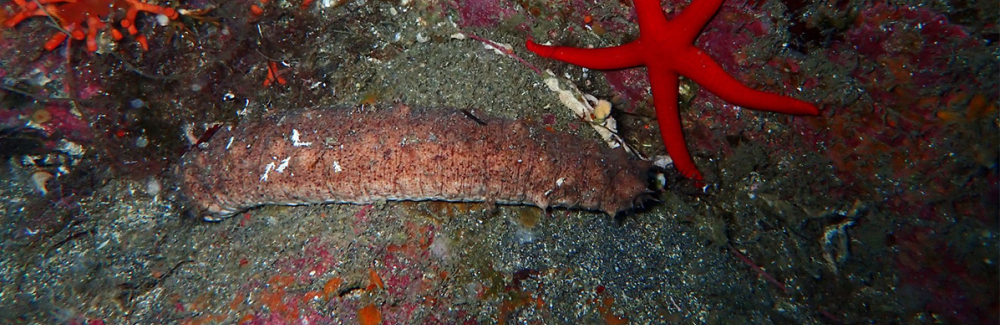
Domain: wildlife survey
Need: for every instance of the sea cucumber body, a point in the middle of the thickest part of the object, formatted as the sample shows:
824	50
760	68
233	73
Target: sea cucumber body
346	156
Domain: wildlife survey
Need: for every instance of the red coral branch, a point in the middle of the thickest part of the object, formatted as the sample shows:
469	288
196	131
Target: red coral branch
84	19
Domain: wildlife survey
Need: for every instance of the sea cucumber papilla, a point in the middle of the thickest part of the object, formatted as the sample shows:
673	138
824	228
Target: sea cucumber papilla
353	156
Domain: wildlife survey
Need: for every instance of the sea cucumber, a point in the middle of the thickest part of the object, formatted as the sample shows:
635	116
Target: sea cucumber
403	153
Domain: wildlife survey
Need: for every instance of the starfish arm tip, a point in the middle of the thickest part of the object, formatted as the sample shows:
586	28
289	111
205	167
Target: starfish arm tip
690	172
803	108
813	110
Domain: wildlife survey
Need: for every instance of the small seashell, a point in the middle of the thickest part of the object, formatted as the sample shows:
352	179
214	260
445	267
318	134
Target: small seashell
41	116
39	178
602	110
153	186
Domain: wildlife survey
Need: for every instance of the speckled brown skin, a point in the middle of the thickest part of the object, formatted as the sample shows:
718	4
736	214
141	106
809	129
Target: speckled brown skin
346	156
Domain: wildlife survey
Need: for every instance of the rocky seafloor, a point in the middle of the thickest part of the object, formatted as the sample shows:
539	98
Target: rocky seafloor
883	209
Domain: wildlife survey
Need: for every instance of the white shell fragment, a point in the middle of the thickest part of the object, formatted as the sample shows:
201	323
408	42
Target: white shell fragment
39	178
598	113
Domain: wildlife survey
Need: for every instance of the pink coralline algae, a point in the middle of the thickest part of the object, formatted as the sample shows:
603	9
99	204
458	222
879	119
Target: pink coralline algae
919	137
902	59
483	13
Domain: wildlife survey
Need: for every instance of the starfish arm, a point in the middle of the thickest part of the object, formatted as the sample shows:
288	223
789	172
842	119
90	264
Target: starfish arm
704	71
664	88
689	23
608	58
650	15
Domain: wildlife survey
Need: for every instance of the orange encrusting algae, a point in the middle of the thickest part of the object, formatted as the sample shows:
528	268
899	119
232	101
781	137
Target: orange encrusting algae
331	286
977	107
256	10
375	282
83	19
369	315
273	75
604	302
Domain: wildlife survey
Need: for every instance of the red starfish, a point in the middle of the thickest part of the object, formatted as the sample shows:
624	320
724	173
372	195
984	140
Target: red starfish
666	48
